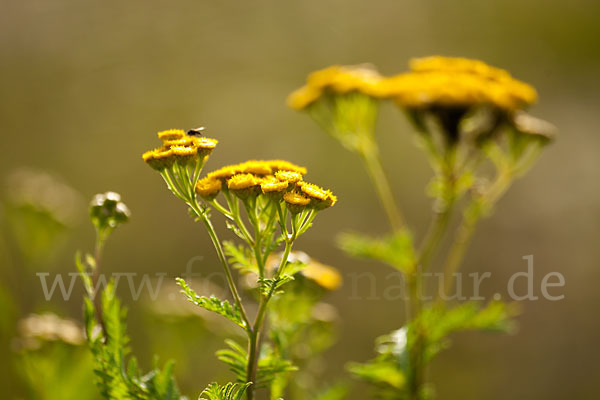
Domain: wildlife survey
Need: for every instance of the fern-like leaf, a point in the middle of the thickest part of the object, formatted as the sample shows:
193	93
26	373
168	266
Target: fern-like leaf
214	304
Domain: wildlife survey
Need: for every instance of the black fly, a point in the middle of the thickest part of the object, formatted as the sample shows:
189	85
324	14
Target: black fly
196	132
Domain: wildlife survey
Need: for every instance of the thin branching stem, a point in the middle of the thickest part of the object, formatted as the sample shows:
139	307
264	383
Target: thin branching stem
372	162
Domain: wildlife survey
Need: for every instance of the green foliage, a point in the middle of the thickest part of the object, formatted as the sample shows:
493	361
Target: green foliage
382	373
221	307
236	357
57	370
229	391
269	287
395	250
389	371
269	364
117	378
337	391
240	257
438	322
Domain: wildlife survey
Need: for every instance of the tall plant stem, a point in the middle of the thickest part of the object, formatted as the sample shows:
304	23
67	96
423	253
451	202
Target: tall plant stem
370	157
254	335
477	208
417	366
431	242
221	255
100	240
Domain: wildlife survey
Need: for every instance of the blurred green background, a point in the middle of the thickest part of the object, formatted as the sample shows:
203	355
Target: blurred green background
86	84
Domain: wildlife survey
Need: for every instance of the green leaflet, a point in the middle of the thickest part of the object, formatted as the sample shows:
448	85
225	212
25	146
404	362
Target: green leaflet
395	250
240	257
229	391
269	364
221	307
269	287
438	322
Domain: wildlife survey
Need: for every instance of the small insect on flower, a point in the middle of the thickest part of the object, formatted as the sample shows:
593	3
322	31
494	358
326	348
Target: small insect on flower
196	132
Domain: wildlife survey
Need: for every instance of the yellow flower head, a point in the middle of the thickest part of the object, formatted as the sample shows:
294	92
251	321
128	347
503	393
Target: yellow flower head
457	83
244	185
159	159
282	165
257	167
171	134
208	188
186	141
243	181
337	79
320	198
296	202
205	146
178	146
273	186
288	176
184	155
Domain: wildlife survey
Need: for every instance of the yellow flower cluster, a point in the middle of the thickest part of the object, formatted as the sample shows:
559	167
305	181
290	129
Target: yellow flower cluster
178	147
277	179
457	82
433	81
337	79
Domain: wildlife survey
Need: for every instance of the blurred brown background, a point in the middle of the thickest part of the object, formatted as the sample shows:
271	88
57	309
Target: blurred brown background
86	84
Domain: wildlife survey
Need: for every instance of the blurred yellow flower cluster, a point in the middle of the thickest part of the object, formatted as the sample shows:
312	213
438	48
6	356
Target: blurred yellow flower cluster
324	275
337	79
457	82
178	147
277	179
432	81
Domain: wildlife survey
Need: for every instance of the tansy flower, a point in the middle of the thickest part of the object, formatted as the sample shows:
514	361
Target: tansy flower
208	188
159	159
184	155
336	79
182	142
288	176
178	146
282	165
256	167
205	146
242	181
244	185
295	202
171	134
273	186
320	197
457	83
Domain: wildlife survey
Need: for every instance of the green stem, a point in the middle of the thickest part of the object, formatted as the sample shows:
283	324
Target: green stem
101	236
254	336
221	255
475	210
416	376
372	162
431	242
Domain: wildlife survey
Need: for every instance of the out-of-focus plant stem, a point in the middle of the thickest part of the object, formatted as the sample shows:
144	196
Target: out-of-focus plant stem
477	208
372	162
